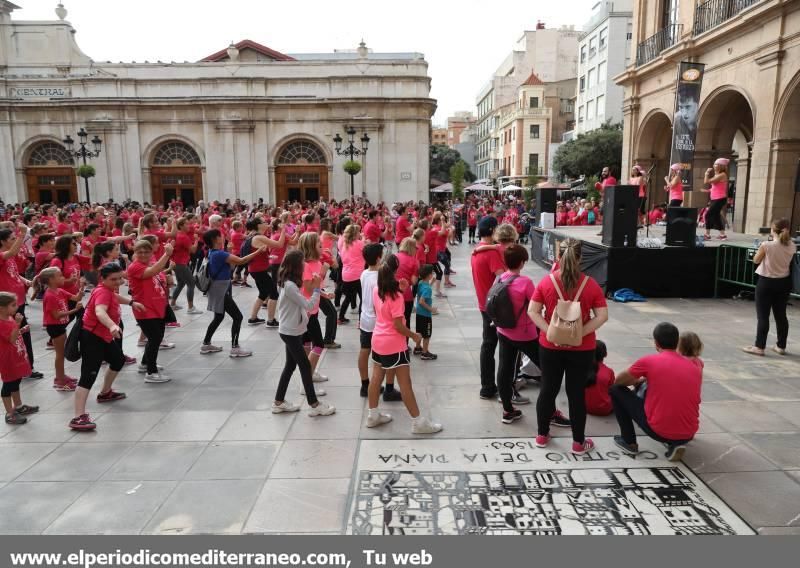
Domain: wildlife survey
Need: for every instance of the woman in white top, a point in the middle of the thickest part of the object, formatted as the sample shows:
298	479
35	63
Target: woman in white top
774	260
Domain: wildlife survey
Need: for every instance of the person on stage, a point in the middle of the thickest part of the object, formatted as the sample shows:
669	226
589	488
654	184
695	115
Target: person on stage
638	178
607	179
674	185
717	178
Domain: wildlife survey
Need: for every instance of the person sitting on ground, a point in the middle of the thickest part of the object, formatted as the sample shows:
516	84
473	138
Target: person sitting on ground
690	346
600	380
670	413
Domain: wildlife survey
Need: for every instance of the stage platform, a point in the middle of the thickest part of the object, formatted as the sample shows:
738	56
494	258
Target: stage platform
669	272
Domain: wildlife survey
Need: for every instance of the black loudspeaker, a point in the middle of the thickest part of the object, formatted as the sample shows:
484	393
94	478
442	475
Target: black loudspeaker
546	198
681	226
620	215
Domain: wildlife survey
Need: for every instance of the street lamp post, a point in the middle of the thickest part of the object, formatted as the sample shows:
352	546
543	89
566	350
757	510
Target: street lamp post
352	152
82	152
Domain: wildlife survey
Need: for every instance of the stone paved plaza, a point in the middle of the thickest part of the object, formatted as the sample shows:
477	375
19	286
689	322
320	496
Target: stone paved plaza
204	454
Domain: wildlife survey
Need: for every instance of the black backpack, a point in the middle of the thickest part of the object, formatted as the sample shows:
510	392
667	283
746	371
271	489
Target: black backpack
499	306
247	246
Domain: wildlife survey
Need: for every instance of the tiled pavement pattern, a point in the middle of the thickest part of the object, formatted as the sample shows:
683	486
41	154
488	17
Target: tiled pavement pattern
203	454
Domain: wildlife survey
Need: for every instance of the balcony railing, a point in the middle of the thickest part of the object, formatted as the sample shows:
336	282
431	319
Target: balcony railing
652	47
534	171
711	14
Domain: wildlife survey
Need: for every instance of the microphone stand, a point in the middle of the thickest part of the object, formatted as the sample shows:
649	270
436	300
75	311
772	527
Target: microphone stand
647	200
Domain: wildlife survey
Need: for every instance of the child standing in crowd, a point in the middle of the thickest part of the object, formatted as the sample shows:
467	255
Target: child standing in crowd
390	350
293	310
14	363
57	314
690	346
366	324
314	343
601	377
425	311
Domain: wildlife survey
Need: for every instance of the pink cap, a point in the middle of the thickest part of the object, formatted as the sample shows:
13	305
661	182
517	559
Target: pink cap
638	168
721	162
676	167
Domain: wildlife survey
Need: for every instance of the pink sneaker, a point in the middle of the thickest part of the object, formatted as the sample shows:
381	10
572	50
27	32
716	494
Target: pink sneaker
542	441
65	384
173	324
579	449
130	360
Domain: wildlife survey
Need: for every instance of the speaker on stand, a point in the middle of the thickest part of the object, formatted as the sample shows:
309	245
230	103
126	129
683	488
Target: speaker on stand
620	215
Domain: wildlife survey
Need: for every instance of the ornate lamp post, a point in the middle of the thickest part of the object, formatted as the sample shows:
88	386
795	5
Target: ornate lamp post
83	153
352	152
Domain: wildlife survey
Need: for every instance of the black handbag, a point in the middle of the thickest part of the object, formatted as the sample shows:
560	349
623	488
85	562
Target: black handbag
72	348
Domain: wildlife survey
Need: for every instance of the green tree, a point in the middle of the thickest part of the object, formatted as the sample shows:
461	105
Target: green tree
443	158
589	153
457	172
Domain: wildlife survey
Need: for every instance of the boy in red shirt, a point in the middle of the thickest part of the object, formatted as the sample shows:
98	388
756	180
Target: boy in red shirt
56	314
670	413
14	364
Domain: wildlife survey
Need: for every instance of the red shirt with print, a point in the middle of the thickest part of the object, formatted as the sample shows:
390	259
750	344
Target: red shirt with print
101	296
150	292
14	362
54	301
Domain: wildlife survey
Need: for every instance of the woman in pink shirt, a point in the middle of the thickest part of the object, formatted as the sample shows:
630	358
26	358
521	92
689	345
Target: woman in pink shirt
350	252
523	336
717	178
674	185
390	350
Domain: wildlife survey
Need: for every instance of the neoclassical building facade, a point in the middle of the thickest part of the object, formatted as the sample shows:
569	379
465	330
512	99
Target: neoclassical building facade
749	105
245	122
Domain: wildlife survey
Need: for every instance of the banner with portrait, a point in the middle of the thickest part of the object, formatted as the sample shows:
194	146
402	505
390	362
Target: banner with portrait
684	121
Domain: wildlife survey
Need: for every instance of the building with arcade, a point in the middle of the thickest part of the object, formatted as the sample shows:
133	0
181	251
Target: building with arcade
245	122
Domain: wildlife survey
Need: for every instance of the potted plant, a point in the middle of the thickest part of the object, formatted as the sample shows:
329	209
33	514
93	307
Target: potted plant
86	171
352	167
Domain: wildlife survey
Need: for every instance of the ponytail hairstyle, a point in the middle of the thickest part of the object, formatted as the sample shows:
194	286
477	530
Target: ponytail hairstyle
570	261
781	228
350	234
387	283
100	251
291	269
63	247
308	244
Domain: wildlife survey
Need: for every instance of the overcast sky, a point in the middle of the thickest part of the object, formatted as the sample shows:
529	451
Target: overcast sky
463	40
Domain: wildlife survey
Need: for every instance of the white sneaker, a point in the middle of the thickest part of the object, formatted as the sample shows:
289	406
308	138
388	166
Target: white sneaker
354	311
425	426
318	392
317	378
239	352
322	409
379	419
156	378
285	406
194	311
206	349
143	368
166	345
176	307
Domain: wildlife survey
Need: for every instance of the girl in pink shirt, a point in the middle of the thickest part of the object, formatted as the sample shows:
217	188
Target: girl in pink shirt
390	350
717	179
351	249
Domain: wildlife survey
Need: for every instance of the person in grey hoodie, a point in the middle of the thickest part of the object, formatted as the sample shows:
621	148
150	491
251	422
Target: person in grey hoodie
293	310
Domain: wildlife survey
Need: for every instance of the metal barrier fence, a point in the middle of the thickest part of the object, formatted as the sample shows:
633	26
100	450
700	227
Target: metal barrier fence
735	266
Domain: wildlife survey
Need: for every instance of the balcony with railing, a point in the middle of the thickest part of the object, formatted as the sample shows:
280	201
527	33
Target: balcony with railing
527	112
662	40
713	13
534	171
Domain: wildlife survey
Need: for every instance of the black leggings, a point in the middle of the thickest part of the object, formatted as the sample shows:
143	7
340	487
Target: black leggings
472	233
351	291
264	283
232	310
26	337
94	350
327	308
438	270
676	202
555	365
507	367
313	334
444	258
714	215
10	388
295	357
772	295
273	273
153	330
409	307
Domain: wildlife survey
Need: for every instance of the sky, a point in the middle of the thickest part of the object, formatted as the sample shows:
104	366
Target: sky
464	41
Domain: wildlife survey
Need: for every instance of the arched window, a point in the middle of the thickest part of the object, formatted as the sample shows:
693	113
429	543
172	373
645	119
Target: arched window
50	154
176	154
301	152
